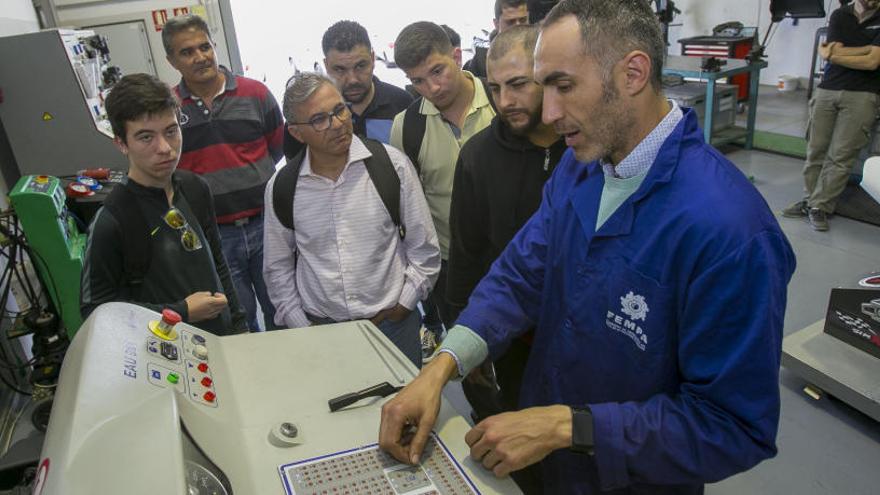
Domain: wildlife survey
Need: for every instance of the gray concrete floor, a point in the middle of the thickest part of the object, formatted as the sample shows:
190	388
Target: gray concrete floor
778	112
825	447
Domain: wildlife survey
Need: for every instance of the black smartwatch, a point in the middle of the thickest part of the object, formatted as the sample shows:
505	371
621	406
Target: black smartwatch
581	430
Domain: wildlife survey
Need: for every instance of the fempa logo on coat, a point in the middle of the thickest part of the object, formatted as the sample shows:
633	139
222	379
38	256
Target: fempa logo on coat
635	308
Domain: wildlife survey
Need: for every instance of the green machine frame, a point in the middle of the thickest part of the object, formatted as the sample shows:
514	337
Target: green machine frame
55	240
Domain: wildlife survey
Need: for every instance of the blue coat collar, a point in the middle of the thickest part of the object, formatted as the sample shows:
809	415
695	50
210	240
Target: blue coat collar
586	195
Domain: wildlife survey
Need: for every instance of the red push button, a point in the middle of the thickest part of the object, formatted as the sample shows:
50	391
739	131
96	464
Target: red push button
171	317
203	367
207	382
209	396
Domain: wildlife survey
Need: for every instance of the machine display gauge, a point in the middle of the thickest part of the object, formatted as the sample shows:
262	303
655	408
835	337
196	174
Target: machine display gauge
200	481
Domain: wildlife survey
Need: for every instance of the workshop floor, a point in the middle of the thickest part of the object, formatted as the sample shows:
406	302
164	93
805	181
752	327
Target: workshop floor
780	113
825	447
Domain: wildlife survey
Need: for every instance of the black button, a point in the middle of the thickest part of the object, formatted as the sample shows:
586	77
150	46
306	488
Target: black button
169	351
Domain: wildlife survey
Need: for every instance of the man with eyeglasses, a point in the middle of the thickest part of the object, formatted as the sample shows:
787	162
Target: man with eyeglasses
343	258
232	130
349	60
155	242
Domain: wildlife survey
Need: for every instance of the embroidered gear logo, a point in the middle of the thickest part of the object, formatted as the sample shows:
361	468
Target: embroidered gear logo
634	306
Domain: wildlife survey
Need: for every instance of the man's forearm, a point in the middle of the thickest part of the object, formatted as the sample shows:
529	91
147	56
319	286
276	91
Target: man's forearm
850	51
857	62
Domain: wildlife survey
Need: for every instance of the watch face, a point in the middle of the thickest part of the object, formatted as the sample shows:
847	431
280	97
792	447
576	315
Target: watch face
581	430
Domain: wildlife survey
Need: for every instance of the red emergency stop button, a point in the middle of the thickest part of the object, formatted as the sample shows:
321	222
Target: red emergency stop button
203	367
171	317
209	396
207	382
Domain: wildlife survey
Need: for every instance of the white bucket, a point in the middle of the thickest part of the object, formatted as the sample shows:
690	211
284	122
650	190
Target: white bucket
787	83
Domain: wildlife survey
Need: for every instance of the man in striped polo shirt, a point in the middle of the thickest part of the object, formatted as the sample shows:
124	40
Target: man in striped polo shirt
232	135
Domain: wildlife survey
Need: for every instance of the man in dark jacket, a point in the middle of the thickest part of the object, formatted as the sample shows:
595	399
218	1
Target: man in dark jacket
498	182
508	14
169	211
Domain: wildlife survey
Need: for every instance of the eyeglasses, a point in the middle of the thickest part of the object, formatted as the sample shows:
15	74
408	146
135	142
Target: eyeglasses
188	238
322	121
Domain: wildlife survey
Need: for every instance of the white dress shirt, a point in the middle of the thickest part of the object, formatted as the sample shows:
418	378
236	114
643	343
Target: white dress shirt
344	259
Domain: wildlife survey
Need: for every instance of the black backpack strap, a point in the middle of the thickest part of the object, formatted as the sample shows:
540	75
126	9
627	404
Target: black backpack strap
198	195
385	180
379	167
414	123
125	208
284	188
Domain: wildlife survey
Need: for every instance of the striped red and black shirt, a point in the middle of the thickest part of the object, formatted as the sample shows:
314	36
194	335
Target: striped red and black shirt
234	145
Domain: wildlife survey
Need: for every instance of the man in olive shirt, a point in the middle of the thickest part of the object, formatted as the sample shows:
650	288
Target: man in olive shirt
454	106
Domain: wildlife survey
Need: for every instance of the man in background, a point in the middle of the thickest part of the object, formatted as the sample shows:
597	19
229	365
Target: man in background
377	270
508	13
232	130
843	110
349	61
499	178
454	105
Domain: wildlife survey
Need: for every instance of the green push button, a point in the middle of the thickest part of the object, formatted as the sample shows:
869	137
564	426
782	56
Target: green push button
173	378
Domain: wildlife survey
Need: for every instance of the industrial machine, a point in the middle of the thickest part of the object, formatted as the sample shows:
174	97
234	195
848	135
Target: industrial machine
148	405
53	111
56	243
840	355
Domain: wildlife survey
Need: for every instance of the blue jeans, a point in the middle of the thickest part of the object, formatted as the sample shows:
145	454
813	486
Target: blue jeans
404	334
243	248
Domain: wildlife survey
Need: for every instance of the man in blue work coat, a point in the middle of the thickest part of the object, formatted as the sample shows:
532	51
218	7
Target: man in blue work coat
654	273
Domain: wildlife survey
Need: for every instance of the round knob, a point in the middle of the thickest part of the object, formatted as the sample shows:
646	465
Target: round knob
289	430
201	352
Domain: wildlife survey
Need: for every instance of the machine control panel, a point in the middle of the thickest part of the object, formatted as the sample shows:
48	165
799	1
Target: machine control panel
180	363
370	470
274	432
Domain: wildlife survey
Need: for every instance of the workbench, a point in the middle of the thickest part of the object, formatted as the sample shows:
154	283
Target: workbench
690	68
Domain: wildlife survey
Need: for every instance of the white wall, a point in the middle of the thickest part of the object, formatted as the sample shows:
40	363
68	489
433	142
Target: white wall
275	35
80	13
272	33
17	17
789	50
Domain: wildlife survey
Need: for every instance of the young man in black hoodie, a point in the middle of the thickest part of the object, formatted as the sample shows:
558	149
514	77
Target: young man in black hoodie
155	241
497	187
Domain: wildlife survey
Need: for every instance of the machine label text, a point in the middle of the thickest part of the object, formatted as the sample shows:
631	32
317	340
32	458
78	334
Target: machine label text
129	360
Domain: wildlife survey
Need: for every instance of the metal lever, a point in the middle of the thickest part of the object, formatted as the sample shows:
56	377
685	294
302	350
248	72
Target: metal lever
383	389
